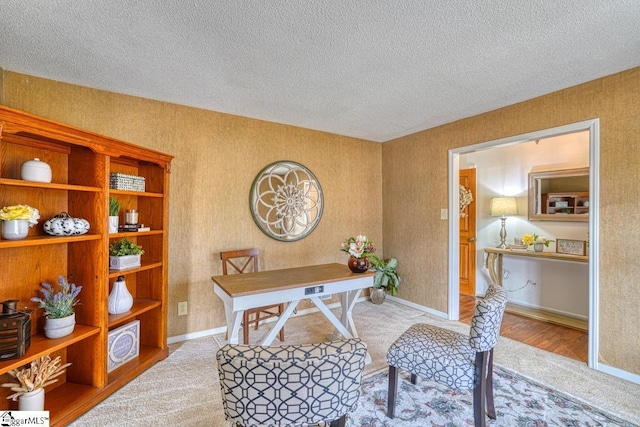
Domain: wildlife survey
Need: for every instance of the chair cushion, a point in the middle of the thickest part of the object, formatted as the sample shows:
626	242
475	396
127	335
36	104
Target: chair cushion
435	353
290	385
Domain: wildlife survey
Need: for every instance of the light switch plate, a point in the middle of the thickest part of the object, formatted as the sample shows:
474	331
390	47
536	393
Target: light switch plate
444	213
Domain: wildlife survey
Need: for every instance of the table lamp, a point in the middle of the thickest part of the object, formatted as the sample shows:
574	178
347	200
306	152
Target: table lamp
503	206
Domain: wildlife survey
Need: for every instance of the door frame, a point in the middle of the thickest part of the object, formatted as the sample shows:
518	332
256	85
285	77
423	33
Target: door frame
593	126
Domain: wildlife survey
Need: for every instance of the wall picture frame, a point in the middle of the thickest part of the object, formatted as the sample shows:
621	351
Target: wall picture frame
571	247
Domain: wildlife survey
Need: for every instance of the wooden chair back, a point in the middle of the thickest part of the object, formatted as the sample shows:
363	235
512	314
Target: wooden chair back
240	261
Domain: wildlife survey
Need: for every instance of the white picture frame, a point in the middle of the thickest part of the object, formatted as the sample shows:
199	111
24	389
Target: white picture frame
124	345
571	247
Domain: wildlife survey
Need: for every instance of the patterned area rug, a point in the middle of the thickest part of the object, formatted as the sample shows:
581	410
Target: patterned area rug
519	402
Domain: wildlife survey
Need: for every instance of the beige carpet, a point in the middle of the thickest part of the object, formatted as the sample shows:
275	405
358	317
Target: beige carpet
183	389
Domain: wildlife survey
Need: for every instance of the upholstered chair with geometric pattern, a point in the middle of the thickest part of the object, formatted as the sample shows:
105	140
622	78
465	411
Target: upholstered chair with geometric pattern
291	385
453	359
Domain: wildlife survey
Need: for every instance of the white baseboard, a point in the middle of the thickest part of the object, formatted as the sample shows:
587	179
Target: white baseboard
617	372
222	329
552	310
418	307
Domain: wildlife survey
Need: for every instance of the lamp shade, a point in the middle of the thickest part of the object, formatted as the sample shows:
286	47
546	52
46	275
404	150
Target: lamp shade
503	206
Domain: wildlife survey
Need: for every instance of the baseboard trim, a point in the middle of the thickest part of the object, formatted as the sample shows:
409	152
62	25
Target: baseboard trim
617	372
548	316
418	306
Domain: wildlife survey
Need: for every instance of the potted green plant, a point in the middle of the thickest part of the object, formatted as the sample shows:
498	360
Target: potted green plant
386	279
114	211
31	381
124	254
58	307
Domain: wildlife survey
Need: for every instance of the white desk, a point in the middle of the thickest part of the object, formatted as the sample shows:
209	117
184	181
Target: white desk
243	291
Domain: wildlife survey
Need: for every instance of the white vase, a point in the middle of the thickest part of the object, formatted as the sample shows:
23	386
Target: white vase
538	247
31	400
120	300
58	328
113	224
16	229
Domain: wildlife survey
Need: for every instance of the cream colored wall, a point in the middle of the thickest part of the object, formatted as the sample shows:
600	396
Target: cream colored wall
415	189
217	156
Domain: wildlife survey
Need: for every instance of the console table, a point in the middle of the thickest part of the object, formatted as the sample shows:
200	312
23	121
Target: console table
495	267
494	259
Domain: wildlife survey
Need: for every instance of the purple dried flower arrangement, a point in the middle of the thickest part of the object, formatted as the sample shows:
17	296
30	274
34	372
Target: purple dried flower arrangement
59	304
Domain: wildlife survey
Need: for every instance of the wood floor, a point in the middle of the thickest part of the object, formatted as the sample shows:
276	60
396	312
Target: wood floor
546	336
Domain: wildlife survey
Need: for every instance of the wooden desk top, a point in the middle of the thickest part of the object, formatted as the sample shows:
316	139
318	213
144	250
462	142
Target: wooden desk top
547	255
236	285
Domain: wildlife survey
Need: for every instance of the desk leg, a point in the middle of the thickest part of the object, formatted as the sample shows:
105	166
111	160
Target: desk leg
234	319
280	323
348	301
332	318
494	265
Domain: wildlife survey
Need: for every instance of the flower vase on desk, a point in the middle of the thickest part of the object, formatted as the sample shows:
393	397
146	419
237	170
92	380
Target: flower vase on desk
120	300
358	265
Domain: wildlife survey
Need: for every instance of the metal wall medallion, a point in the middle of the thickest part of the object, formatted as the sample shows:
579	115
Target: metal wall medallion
286	201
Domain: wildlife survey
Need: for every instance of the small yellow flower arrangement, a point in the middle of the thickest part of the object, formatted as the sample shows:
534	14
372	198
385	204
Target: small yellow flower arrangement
532	238
20	212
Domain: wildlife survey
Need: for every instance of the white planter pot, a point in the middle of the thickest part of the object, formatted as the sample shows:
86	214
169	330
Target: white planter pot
124	262
31	401
58	328
113	224
16	229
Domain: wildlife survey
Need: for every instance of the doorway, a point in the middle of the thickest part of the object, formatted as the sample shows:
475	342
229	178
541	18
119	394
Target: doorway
592	126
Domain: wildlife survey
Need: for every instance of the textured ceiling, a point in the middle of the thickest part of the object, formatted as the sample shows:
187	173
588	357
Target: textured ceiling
370	69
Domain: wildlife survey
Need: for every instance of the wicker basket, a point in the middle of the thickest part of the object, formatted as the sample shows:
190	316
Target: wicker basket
123	181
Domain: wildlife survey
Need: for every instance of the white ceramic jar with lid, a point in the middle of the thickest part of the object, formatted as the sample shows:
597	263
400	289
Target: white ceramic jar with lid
36	170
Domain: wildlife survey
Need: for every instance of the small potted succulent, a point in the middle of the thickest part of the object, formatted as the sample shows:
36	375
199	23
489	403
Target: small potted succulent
58	307
124	254
31	381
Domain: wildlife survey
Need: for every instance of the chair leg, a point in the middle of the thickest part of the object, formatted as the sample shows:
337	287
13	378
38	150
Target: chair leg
245	327
491	410
340	422
414	379
281	333
391	394
480	389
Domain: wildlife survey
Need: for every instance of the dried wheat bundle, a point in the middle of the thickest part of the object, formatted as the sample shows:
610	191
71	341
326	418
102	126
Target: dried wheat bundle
40	373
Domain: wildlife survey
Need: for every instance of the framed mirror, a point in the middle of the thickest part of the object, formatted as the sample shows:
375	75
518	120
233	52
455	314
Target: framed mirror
286	201
560	195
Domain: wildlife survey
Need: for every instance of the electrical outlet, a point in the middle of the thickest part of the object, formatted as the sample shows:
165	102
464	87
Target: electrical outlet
182	308
532	283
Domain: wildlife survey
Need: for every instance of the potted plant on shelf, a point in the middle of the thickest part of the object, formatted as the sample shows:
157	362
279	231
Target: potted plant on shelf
114	211
536	241
386	280
58	307
29	390
359	249
124	254
16	221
